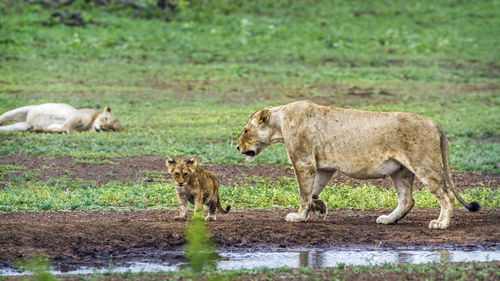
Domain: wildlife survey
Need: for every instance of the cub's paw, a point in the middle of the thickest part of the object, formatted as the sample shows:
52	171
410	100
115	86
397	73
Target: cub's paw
210	218
436	224
319	208
294	217
180	218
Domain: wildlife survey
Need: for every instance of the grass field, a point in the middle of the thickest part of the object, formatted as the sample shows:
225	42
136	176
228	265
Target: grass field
186	87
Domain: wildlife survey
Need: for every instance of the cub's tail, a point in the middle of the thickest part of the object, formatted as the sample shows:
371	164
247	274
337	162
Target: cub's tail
445	154
219	207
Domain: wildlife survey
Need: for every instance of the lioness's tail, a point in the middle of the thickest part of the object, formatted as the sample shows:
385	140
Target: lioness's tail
445	153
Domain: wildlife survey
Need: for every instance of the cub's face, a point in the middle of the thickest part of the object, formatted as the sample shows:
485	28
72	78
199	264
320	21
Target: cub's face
255	135
181	171
107	122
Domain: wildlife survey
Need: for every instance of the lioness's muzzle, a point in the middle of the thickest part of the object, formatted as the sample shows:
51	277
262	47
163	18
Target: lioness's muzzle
249	153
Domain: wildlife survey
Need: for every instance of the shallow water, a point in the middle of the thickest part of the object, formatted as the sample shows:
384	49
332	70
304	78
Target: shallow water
294	259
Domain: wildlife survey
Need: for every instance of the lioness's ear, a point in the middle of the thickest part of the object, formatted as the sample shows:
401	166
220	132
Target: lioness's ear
170	164
191	163
107	109
263	116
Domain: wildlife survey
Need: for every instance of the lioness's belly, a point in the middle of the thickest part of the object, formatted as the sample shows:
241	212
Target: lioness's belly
50	113
366	169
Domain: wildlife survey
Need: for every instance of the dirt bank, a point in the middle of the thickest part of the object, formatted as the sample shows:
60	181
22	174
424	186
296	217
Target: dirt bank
94	237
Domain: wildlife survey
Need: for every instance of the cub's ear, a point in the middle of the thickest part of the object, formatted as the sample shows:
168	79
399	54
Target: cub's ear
191	163
170	164
263	116
107	109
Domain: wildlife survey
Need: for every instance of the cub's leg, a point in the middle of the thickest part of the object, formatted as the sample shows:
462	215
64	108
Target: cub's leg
18	114
181	199
403	182
19	126
305	174
212	207
198	203
317	205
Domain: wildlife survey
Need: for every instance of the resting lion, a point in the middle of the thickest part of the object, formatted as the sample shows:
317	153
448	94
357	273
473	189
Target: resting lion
361	144
58	118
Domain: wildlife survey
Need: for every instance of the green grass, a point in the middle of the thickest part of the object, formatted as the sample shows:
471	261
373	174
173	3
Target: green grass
431	271
67	194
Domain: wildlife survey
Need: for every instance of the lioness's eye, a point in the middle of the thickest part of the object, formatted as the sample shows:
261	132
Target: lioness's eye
245	132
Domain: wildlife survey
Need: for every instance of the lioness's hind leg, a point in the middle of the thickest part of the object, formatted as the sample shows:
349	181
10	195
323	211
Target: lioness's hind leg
19	126
18	114
434	182
403	182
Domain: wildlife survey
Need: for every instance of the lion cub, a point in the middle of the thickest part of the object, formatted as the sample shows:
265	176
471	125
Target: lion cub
196	185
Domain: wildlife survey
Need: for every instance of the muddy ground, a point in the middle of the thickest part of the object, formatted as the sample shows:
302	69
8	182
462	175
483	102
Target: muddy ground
92	238
152	168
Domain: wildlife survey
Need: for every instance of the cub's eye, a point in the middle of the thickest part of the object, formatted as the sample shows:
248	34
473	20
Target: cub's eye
177	174
105	118
245	132
185	174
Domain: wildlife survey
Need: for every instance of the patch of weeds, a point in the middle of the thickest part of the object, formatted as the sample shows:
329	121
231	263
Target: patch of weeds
155	176
94	161
199	249
5	170
39	266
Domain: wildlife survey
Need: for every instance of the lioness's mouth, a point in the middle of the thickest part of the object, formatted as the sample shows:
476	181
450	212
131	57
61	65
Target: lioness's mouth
249	153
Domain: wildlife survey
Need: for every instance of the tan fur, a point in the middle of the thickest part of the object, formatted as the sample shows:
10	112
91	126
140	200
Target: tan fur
196	185
58	118
361	144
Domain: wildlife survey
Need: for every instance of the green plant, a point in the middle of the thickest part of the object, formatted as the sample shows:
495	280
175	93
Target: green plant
39	266
199	248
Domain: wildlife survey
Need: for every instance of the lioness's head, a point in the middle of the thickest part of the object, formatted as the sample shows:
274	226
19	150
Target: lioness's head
106	122
256	134
181	170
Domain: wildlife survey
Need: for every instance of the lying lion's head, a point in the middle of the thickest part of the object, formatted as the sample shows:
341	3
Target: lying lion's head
181	171
256	134
106	122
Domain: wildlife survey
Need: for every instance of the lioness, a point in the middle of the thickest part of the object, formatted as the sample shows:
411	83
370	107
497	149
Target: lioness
196	185
361	144
58	118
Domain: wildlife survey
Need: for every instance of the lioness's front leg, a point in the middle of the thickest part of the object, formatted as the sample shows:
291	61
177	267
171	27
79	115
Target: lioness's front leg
68	126
305	174
181	199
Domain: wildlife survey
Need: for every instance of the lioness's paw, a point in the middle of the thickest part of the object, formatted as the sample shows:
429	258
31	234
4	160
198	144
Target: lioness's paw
294	217
435	224
385	220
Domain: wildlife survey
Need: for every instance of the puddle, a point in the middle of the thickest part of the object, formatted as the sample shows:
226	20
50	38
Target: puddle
294	259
